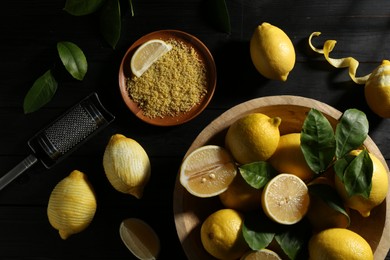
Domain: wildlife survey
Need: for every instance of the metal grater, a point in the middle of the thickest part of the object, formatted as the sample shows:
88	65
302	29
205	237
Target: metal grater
56	141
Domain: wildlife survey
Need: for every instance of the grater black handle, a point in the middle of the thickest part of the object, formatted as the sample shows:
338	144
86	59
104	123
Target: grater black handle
17	170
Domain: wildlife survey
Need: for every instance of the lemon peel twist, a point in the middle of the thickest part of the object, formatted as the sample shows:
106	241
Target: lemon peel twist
349	62
376	84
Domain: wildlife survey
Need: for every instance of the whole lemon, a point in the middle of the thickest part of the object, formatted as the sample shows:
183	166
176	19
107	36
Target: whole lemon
288	157
72	204
241	196
272	52
126	165
221	234
339	243
380	185
253	137
377	90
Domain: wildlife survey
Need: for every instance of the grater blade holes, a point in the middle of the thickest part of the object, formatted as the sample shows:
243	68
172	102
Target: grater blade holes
71	129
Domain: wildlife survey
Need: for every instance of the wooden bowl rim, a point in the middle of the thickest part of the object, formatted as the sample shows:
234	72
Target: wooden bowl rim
204	54
184	221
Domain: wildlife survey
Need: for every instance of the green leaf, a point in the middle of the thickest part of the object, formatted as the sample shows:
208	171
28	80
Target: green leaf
317	141
40	93
82	7
258	230
110	22
73	59
358	175
219	15
257	174
351	131
294	239
341	164
330	196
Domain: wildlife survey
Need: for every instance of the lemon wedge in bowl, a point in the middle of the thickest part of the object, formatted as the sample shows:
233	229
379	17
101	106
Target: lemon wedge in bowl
207	171
147	54
285	199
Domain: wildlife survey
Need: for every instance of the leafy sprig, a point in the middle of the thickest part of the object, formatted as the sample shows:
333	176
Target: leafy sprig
44	88
324	148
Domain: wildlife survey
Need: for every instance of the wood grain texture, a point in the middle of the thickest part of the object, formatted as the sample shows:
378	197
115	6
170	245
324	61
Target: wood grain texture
29	33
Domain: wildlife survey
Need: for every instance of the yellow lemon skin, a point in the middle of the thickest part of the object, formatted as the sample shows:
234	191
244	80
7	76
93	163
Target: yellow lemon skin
241	196
288	157
377	90
340	244
126	165
253	137
272	52
72	204
380	185
221	234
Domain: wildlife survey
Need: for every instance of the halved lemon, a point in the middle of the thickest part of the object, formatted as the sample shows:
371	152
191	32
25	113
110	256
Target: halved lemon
140	238
147	54
285	199
263	254
207	171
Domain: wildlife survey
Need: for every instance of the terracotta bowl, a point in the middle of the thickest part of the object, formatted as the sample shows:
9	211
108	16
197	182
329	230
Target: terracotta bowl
205	56
190	211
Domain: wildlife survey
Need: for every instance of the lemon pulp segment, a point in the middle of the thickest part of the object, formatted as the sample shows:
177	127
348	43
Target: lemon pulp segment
146	55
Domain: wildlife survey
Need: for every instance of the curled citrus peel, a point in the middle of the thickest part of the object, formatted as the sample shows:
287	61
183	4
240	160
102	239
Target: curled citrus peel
349	62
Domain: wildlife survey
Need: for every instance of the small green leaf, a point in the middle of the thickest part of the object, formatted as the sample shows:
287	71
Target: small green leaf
330	196
351	131
257	174
258	230
110	22
294	238
40	93
82	7
219	15
73	59
358	175
317	141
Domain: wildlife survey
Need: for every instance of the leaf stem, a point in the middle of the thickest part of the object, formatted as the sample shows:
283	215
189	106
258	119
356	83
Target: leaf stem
131	8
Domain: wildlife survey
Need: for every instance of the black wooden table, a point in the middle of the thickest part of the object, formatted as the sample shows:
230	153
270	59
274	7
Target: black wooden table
29	32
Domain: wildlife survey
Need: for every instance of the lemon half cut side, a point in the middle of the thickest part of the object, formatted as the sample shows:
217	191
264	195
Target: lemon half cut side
147	54
263	254
207	171
285	199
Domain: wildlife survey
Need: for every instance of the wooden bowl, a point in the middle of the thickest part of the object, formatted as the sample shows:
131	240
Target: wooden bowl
191	211
204	55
